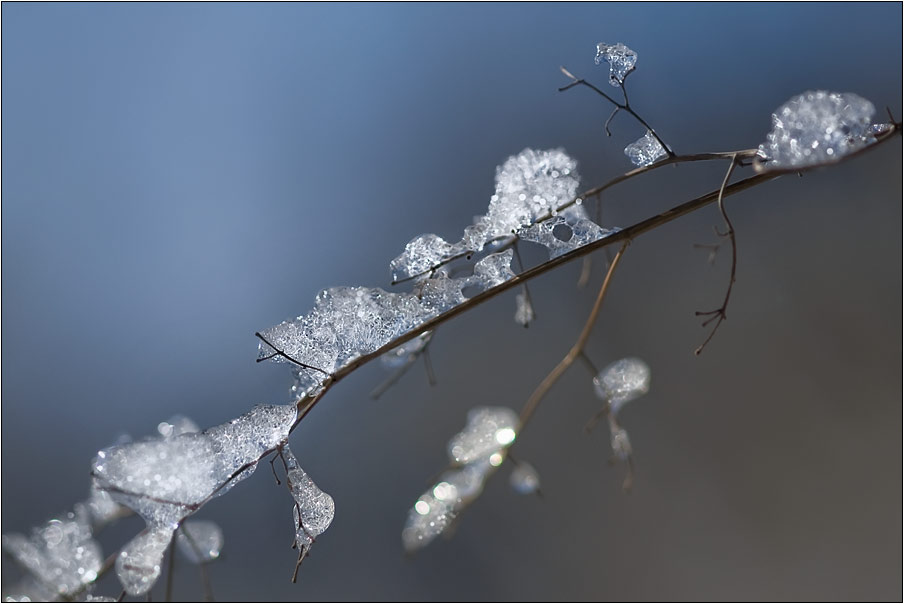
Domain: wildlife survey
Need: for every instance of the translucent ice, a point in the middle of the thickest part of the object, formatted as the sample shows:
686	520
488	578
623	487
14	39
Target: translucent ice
421	254
621	61
564	232
489	430
645	151
164	480
176	425
61	554
200	540
622	381
524	479
314	509
817	127
139	563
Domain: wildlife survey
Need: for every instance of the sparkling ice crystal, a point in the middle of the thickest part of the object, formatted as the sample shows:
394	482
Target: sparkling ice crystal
621	61
645	151
817	127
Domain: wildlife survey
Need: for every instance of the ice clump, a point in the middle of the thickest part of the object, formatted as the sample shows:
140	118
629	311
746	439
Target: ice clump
621	61
314	510
166	479
645	151
421	254
61	556
489	429
529	186
622	381
816	127
200	540
475	451
178	424
139	563
578	229
524	479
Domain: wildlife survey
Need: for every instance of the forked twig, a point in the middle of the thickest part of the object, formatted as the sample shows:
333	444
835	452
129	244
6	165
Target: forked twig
718	315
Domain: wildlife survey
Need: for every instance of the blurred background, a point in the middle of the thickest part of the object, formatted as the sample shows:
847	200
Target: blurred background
178	176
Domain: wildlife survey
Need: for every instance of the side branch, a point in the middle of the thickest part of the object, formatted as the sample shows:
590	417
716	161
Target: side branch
576	351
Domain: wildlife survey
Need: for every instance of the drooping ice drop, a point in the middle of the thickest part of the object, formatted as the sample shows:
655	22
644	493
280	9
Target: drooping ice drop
622	381
621	61
314	510
816	127
645	151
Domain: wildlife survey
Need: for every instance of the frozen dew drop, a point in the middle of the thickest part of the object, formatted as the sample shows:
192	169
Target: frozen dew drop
199	540
427	519
645	151
816	127
622	381
524	479
621	61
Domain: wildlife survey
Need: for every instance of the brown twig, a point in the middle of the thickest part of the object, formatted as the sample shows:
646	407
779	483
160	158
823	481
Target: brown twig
719	315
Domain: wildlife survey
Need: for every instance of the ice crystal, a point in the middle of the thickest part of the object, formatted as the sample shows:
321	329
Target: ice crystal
817	127
61	555
622	381
421	254
621	61
529	186
565	232
645	151
165	479
524	479
200	540
176	425
489	429
524	310
139	563
314	509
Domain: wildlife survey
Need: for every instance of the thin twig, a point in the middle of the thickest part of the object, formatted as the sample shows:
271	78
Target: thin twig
279	353
170	571
576	351
718	315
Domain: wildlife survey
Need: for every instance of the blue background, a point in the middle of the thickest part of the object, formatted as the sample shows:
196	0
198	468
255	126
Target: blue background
178	176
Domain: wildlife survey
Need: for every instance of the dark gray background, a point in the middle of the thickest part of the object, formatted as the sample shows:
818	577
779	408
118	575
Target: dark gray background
178	176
